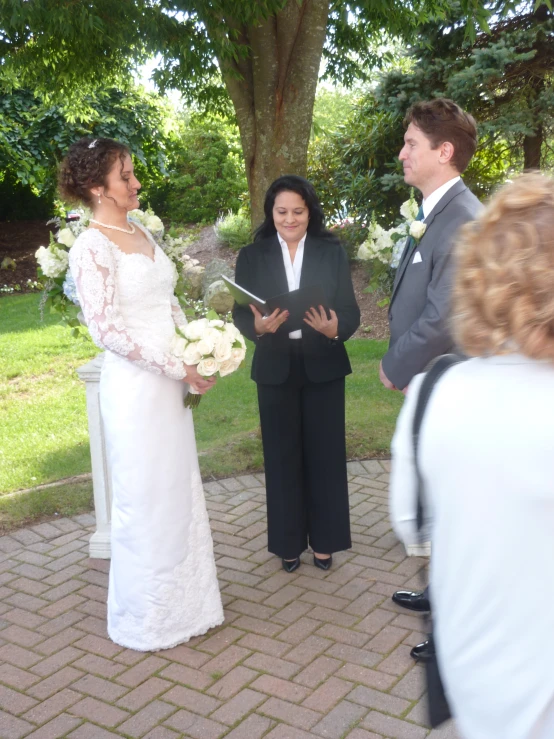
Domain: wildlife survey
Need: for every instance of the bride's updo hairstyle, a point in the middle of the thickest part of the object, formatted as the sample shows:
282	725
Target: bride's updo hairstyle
86	165
503	299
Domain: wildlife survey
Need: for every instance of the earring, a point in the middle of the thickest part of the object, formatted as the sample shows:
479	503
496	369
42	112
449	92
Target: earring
99	201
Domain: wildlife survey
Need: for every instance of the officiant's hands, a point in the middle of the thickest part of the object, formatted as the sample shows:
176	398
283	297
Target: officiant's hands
318	320
197	382
268	324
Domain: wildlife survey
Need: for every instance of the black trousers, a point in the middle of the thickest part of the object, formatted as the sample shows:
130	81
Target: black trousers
303	435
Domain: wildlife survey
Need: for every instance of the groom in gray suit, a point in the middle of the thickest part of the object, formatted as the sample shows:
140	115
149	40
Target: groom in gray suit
439	142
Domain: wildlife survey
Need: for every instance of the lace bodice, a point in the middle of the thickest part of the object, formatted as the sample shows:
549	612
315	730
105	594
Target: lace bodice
128	301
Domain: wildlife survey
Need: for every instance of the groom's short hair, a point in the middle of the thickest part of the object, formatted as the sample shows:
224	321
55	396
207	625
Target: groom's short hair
443	120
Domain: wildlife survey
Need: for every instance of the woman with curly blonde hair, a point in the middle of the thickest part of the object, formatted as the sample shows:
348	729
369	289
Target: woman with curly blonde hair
486	456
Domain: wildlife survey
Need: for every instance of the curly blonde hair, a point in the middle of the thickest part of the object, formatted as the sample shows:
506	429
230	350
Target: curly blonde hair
503	299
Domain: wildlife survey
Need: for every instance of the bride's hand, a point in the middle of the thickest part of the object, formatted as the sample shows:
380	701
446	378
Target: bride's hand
196	381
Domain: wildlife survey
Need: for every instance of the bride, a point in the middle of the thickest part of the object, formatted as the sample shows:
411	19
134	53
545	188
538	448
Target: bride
163	586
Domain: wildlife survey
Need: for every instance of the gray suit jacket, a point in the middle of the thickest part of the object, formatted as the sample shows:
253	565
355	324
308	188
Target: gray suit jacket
420	302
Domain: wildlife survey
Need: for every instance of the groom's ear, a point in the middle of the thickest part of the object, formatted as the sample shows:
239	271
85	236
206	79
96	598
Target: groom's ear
446	152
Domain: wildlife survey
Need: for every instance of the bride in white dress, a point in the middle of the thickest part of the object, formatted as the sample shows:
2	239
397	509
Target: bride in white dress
163	586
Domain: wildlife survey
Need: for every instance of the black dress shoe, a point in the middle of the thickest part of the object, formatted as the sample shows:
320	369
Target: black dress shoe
413	601
423	652
323	564
291	565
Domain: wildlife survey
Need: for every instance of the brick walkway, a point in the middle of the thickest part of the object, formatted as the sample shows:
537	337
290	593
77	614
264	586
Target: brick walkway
311	654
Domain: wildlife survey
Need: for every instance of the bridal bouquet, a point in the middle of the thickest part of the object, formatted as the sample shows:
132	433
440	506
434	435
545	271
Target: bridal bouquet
211	344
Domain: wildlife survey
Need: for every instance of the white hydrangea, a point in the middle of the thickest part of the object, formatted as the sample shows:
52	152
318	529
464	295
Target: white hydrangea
154	223
53	261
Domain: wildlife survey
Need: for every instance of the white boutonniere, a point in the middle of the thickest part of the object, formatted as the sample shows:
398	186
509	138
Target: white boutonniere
417	229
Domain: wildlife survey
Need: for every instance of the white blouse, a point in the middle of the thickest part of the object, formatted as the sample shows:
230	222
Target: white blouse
293	270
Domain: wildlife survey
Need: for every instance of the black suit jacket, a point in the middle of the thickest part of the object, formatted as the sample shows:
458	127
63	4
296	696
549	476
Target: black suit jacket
261	270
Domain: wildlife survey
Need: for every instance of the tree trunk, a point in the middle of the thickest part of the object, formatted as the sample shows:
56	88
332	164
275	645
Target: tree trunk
273	91
532	147
532	143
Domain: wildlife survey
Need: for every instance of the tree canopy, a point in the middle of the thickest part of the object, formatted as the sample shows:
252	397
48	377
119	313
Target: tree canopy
504	77
267	53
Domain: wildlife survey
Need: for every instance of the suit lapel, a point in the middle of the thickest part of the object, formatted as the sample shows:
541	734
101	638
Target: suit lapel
456	189
275	267
310	262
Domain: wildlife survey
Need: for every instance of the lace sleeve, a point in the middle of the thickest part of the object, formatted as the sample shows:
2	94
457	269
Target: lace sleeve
179	318
93	268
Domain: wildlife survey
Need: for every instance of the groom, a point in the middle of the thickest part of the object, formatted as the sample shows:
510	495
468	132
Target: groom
439	142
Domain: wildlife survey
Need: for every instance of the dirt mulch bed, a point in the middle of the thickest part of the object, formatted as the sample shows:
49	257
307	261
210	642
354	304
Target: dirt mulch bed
19	240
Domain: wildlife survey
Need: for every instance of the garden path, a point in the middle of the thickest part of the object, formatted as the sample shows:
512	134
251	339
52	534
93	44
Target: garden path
311	654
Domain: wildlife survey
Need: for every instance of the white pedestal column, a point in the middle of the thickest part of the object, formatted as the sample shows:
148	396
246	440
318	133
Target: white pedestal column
99	546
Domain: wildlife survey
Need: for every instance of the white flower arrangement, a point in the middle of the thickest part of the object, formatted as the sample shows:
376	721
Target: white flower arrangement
383	247
60	292
149	220
386	246
211	344
53	261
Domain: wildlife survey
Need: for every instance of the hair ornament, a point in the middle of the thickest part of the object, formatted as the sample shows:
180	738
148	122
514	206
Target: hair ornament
92	144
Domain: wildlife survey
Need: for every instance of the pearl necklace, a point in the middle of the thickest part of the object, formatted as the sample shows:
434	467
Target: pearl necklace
116	228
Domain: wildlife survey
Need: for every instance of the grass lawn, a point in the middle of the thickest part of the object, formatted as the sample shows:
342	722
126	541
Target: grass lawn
43	423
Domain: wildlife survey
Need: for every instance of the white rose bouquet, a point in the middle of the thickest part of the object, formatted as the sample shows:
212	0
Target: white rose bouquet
211	344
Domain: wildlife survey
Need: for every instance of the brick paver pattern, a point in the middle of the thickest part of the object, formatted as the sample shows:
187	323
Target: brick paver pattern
308	654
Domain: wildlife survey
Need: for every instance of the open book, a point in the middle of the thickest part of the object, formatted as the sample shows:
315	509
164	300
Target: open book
297	302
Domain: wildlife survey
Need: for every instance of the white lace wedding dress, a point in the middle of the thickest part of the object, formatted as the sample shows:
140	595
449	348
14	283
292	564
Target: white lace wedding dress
163	586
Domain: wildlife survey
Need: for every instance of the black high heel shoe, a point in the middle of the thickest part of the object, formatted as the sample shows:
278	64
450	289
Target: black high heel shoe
323	564
291	565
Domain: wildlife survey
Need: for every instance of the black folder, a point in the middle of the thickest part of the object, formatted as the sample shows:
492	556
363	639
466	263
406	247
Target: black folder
297	302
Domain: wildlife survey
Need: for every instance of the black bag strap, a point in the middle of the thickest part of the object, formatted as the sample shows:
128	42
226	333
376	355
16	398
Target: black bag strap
433	375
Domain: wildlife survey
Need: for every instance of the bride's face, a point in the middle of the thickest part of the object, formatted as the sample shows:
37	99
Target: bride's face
121	186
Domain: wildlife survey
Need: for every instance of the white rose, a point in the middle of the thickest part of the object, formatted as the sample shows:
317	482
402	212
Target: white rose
195	329
364	252
238	355
207	367
178	346
228	367
217	323
232	331
417	229
223	348
205	346
65	237
191	354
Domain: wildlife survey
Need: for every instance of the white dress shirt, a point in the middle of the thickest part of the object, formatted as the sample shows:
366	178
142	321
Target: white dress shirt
431	200
293	270
486	455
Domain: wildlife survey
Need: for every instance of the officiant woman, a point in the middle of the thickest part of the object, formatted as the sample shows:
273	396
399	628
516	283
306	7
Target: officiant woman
300	373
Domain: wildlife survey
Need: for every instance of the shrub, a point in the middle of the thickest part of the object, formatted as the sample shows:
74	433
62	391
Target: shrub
351	235
207	177
234	229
